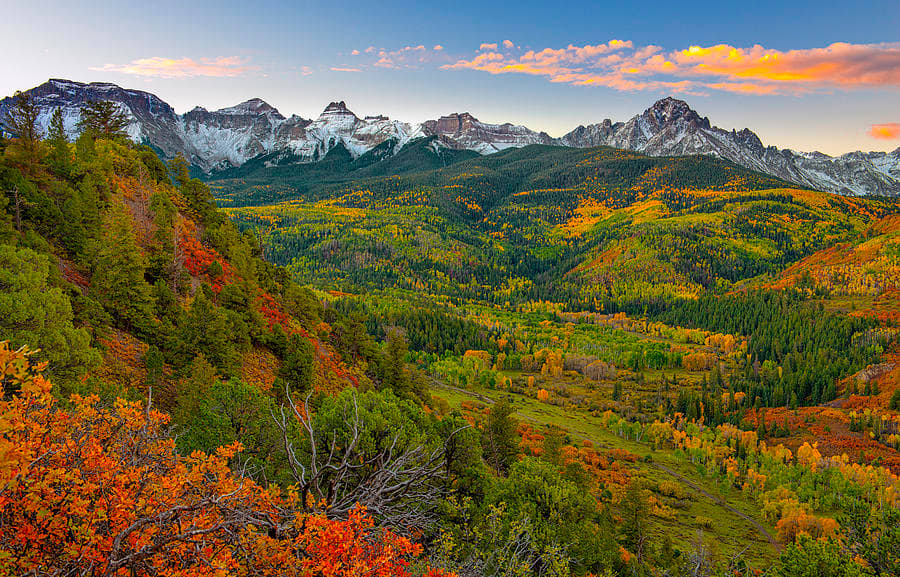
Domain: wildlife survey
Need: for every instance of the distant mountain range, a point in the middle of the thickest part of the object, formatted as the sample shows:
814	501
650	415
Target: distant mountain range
230	137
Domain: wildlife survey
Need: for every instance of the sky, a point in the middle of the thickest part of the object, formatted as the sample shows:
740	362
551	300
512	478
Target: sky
804	75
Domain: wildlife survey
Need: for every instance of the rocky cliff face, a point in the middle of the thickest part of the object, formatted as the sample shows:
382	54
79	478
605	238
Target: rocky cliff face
464	131
231	136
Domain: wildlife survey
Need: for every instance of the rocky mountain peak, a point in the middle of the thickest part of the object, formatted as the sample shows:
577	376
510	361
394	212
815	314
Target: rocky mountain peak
337	109
231	136
670	110
254	106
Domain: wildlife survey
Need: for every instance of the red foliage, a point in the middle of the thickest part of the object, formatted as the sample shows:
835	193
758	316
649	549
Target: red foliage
274	314
196	258
100	490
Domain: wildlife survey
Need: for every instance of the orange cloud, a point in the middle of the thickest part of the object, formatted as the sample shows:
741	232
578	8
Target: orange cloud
888	131
160	67
838	65
345	69
757	70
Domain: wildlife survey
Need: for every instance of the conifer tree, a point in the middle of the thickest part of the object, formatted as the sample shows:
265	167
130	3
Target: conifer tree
205	329
35	314
60	161
298	363
118	270
103	119
21	119
499	439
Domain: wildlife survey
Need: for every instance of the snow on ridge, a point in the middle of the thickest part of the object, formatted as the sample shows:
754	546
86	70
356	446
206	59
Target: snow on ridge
233	135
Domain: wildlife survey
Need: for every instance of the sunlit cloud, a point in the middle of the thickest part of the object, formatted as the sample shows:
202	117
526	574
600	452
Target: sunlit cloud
412	56
621	65
887	131
161	67
345	69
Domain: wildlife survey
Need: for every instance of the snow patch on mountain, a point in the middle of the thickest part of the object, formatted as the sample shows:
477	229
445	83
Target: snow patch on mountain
671	128
231	136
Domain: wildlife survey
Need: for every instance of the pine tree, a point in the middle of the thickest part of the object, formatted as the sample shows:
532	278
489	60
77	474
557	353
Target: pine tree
180	170
118	270
194	389
635	514
499	439
298	363
895	400
205	329
35	314
103	119
392	370
60	160
21	119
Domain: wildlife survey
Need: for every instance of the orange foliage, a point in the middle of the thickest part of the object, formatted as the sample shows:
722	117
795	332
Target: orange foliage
122	360
798	522
100	490
259	368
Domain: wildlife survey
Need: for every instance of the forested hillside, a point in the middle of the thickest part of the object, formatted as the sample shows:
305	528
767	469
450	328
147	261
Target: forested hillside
543	362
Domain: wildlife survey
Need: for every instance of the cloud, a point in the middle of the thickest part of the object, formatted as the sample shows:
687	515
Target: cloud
411	56
355	53
345	69
161	67
508	44
621	65
887	131
306	70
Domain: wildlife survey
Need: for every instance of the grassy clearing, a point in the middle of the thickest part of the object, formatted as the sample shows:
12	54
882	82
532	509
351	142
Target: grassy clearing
725	532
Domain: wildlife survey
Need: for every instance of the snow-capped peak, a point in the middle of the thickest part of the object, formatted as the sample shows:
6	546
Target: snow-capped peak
252	106
336	109
233	135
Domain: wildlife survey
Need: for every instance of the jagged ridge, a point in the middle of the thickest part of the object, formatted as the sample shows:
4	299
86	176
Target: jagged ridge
229	137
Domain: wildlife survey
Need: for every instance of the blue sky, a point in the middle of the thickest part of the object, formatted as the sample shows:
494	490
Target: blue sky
805	75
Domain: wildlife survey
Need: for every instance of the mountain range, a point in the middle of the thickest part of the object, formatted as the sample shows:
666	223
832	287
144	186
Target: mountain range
230	137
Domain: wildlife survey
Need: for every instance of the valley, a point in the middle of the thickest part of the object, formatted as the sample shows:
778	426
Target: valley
434	358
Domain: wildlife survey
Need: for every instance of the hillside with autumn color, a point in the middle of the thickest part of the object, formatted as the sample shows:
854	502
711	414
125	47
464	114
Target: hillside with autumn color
545	361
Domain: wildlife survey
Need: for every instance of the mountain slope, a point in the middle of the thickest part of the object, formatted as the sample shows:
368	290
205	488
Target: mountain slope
671	128
580	224
231	137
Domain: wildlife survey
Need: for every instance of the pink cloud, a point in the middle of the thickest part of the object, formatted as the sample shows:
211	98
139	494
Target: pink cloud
355	53
161	67
345	69
887	131
621	65
508	44
411	56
